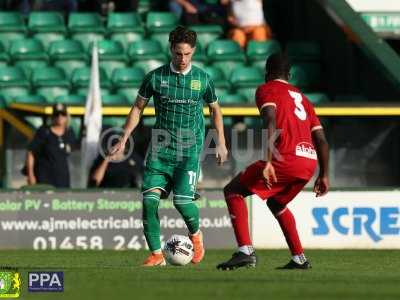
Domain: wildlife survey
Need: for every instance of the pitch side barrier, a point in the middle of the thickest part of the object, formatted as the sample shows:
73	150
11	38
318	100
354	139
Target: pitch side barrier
104	219
371	109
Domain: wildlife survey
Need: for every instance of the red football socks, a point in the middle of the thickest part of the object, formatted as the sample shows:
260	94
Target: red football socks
288	225
239	216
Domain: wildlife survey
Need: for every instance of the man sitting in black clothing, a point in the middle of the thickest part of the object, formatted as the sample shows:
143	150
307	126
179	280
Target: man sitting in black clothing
123	173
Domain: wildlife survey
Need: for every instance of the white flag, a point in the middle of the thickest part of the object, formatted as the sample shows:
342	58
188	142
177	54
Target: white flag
93	118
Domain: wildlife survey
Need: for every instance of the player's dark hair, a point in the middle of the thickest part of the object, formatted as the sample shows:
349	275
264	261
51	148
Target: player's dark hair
182	35
277	66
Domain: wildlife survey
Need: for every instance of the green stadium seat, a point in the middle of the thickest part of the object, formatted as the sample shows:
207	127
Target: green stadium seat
125	28
216	75
162	38
127	77
317	98
232	99
75	123
80	81
28	65
28	54
248	93
86	28
199	56
47	27
48	37
222	86
298	77
126	81
306	70
245	81
113	122
27	48
111	55
41	21
225	50
118	21
114	100
225	54
246	76
86	38
13	83
149	121
149	64
129	92
207	33
11	21
30	99
161	21
145	49
7	37
34	121
12	27
303	51
146	54
85	22
50	82
71	100
306	75
4	58
258	52
68	55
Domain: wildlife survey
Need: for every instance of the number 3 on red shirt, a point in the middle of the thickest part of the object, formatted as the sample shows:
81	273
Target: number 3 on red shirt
299	111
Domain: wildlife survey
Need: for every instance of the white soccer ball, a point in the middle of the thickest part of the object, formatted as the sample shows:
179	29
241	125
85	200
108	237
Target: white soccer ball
178	250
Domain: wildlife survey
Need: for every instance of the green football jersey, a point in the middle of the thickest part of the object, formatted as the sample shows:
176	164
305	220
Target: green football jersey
178	101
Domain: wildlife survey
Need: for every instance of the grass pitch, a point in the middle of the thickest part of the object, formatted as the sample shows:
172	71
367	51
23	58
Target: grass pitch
339	274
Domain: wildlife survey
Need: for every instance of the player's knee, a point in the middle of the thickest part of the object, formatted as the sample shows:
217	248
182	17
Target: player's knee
274	206
150	205
178	203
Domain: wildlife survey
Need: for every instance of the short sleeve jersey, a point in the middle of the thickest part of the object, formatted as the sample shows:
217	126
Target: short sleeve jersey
296	118
51	156
178	100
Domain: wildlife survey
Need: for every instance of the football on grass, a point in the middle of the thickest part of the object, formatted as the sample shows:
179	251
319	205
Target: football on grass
178	250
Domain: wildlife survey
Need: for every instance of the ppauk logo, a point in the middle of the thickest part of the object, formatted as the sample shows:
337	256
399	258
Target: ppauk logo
376	223
46	281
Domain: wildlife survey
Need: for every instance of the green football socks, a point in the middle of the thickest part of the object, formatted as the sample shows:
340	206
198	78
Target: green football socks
151	221
189	212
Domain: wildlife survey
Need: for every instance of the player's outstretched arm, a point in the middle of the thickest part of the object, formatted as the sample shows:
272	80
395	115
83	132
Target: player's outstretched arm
216	115
321	185
131	122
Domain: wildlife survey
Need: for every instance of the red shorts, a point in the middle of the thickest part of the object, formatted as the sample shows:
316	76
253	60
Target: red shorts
283	191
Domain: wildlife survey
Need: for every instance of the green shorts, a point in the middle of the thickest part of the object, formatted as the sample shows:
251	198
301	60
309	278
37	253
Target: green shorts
168	175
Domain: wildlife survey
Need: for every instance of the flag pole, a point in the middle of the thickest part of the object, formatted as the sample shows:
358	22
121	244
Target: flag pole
92	121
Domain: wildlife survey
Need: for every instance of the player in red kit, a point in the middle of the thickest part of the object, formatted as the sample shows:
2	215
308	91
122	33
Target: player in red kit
290	162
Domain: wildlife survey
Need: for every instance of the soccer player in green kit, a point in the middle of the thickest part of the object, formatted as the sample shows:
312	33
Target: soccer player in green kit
179	90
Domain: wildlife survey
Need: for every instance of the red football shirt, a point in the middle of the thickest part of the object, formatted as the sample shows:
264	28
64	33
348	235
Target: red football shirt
296	119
